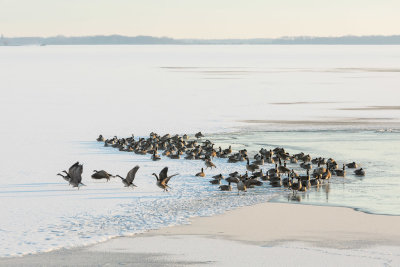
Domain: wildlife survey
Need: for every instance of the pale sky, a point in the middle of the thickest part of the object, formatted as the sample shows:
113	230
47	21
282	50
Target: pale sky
200	18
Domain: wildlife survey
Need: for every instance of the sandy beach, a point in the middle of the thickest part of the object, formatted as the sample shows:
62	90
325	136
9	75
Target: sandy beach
268	234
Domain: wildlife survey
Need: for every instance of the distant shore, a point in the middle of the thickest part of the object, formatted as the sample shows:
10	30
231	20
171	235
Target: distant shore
151	40
280	233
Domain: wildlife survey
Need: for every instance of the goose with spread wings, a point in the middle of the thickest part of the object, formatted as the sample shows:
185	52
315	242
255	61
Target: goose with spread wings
74	175
128	181
163	178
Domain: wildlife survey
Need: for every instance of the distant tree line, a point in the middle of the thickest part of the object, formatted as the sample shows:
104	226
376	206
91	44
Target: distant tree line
149	40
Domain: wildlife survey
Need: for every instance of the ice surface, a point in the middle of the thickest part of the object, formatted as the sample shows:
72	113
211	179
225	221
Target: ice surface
55	100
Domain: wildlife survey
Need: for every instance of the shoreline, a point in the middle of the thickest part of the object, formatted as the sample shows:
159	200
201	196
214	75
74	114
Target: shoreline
198	225
266	227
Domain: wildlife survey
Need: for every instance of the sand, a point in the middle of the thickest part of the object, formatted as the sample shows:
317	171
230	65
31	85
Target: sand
268	234
272	223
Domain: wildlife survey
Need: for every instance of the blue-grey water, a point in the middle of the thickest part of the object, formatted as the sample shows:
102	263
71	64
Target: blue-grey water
375	151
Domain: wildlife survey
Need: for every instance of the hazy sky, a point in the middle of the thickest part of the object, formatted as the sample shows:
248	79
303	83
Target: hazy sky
200	18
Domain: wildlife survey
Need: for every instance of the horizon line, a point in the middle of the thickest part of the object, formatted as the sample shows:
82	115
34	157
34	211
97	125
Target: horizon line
198	38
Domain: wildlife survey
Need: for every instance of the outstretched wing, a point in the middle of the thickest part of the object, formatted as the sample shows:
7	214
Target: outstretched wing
76	173
73	167
168	178
131	174
163	174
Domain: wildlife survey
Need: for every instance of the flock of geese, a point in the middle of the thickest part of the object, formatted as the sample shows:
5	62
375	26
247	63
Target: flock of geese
177	147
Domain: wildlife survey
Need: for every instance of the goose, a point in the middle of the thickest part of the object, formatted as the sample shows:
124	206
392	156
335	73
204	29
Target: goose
75	175
251	167
215	181
352	165
227	187
234	174
299	155
315	160
270	160
228	150
342	172
234	180
359	172
306	158
190	156
209	164
326	175
306	166
286	182
250	183
141	152
175	156
315	182
155	157
303	189
167	153
259	161
296	186
293	174
331	164
273	170
219	176
283	169
258	174
264	177
305	180
128	181
213	153
199	135
101	175
163	179
257	156
241	186
275	180
293	159
201	174
319	170
232	159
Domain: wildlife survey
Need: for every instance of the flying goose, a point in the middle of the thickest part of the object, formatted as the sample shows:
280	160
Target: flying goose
75	175
163	179
128	181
